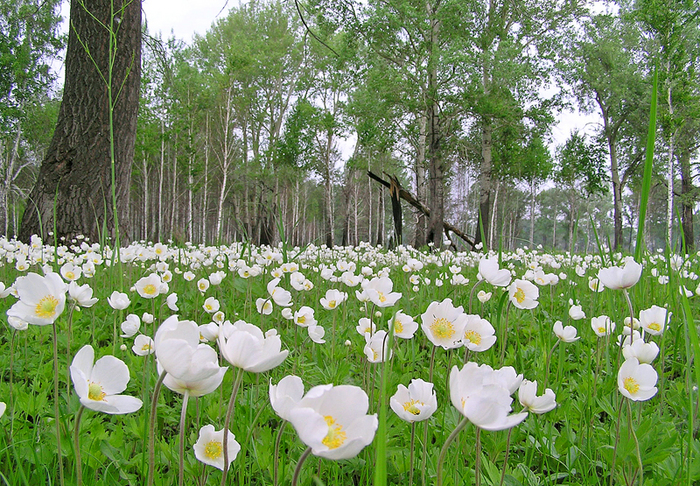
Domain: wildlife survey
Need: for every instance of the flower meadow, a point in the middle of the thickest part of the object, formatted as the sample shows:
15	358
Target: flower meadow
158	364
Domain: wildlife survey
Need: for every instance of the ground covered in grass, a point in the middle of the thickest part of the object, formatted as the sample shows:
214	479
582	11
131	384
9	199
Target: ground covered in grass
417	345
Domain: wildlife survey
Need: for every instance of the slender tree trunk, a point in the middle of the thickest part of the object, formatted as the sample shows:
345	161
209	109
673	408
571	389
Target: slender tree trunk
421	189
533	191
161	176
483	223
669	175
173	193
687	200
617	193
9	176
78	174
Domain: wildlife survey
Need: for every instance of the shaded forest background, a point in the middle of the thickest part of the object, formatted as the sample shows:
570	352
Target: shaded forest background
264	128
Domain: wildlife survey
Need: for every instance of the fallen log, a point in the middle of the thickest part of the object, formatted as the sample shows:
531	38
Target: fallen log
394	185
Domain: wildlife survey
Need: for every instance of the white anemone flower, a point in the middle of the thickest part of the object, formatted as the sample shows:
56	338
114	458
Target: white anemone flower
565	333
151	286
304	317
245	346
180	353
643	351
523	294
602	325
333	299
376	348
99	385
489	271
404	326
41	299
527	395
483	400
131	326
443	324
479	334
285	395
316	333
416	403
333	421
624	277
81	295
637	381
143	345
654	320
576	313
209	448
118	300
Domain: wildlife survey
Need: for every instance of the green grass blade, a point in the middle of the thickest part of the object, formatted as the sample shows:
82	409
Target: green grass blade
646	182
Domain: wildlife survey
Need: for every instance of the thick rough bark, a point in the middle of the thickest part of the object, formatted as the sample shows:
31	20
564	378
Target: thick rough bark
436	163
75	180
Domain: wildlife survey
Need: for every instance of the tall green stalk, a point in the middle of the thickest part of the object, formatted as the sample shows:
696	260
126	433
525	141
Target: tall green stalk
648	163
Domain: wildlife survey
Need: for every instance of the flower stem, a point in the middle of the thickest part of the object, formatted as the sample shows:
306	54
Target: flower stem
477	463
505	459
617	441
471	294
631	310
413	443
55	405
76	442
443	451
505	334
297	471
275	464
549	359
229	413
183	415
152	429
636	444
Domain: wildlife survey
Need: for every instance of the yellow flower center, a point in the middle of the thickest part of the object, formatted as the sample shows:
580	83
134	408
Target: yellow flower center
411	407
382	297
473	337
301	319
602	330
46	308
208	306
70	275
213	450
147	347
442	328
332	304
631	385
519	295
398	327
149	289
654	326
335	436
95	392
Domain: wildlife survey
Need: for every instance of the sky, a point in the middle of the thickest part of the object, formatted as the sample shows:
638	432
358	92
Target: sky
184	18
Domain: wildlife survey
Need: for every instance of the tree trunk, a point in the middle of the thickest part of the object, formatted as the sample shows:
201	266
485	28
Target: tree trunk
483	223
75	179
533	190
687	199
617	193
420	236
436	186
